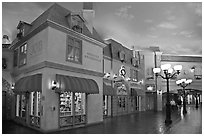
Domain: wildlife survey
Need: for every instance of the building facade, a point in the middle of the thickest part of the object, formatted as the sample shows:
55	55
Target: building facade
58	71
191	69
123	80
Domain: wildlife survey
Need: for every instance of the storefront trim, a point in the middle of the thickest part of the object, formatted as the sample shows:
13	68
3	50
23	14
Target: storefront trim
30	83
77	84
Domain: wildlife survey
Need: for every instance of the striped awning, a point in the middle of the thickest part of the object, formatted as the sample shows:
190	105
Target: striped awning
29	84
108	90
76	84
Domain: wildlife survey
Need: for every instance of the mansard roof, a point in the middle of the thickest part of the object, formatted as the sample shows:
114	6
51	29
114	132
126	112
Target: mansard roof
58	14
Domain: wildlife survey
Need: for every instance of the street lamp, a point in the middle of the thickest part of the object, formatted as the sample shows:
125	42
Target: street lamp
183	83
168	74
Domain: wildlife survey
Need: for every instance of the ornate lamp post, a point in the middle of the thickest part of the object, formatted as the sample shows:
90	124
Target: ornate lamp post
168	74
183	83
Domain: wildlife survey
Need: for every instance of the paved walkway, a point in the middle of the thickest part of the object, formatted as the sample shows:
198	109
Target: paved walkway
148	122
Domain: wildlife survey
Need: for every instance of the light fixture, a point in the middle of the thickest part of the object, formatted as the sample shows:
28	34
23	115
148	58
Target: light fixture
156	70
128	79
54	85
165	67
149	88
115	76
168	74
12	86
178	68
184	83
107	75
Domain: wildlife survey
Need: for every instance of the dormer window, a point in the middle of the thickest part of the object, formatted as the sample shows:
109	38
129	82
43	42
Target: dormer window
77	23
23	29
121	56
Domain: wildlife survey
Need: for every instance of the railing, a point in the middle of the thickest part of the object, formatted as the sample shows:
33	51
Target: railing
35	121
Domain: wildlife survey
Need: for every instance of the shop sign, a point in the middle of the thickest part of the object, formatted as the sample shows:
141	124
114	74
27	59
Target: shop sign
92	56
122	71
121	89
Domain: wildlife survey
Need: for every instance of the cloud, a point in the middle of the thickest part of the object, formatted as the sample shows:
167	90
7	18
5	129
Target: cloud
171	18
148	21
167	25
196	7
123	12
184	33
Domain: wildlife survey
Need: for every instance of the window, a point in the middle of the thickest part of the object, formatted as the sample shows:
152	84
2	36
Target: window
15	58
72	108
23	55
35	103
198	73
74	50
21	105
150	74
77	23
134	75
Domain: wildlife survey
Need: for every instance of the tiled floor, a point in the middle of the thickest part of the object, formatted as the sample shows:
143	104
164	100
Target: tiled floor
148	122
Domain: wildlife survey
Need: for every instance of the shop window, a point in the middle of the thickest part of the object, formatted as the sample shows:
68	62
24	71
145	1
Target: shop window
72	108
35	103
23	55
136	103
35	108
105	105
15	58
77	23
21	106
74	50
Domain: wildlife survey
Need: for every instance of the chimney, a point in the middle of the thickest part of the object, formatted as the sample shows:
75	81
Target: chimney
88	14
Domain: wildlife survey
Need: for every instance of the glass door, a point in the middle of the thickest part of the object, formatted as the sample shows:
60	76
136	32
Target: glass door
72	109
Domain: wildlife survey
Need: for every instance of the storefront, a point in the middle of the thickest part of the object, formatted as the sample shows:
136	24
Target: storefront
73	93
28	100
108	93
121	100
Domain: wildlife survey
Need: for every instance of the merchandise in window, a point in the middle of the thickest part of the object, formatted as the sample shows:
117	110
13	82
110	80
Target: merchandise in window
66	104
35	109
72	108
79	103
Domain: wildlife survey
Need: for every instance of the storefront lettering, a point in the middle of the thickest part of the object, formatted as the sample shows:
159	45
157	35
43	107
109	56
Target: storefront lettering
92	56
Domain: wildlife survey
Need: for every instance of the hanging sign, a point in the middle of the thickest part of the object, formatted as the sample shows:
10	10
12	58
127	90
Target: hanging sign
122	71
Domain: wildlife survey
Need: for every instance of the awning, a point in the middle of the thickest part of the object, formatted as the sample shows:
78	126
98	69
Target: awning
76	84
108	90
29	84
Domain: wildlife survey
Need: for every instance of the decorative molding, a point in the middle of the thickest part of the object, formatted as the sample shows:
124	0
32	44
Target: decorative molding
56	66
